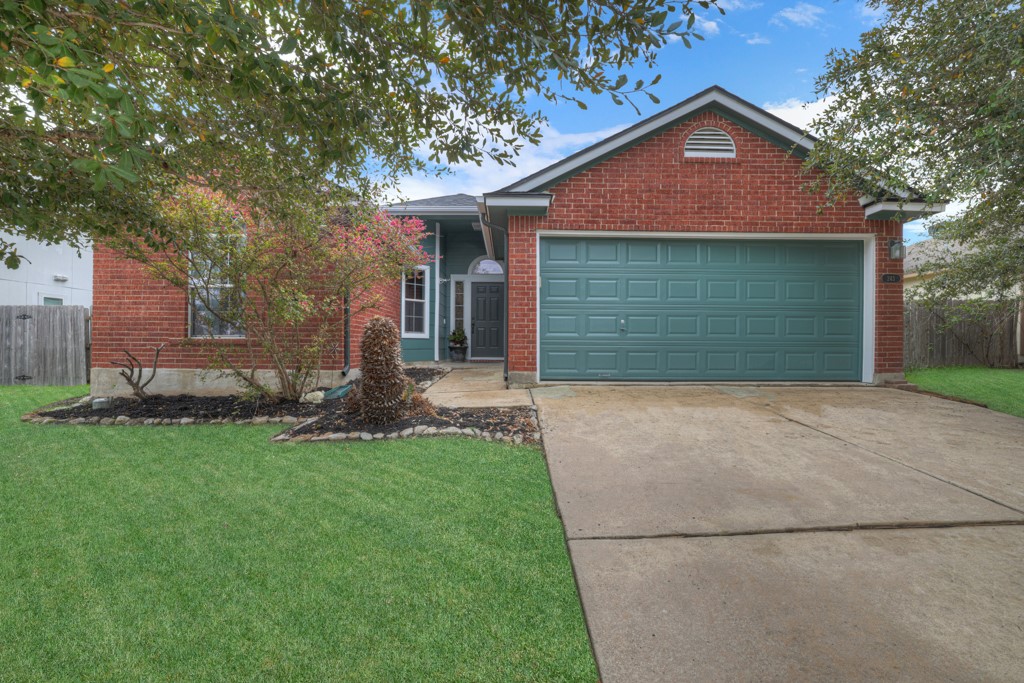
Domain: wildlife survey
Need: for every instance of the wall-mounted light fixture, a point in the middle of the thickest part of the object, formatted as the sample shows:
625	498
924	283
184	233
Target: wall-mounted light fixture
60	278
897	250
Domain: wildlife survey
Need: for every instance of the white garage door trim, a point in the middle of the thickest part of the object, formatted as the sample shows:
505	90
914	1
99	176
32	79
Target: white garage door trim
868	326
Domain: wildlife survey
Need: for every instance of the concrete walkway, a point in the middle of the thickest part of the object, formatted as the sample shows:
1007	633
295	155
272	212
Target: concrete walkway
811	534
476	385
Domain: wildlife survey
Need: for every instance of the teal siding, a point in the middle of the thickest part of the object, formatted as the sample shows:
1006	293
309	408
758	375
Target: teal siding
648	309
460	245
423	349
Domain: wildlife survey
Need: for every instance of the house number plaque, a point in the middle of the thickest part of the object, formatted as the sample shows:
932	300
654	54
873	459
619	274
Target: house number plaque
891	277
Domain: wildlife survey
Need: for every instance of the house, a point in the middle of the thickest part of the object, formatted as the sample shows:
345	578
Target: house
49	275
683	248
922	253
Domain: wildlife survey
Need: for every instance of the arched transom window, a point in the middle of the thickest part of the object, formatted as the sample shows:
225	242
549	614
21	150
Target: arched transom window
486	266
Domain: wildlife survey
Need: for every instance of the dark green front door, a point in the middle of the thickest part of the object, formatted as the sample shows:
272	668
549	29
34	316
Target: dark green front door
487	317
700	309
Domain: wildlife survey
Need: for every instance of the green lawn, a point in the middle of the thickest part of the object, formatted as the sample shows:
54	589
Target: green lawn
999	389
206	553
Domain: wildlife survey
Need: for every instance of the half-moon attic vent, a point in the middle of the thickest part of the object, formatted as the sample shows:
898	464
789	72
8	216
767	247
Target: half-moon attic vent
709	143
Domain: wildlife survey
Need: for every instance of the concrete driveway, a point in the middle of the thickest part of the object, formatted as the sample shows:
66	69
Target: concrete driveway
762	533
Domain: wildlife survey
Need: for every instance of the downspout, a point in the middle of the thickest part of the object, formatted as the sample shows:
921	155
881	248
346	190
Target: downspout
505	271
504	274
348	340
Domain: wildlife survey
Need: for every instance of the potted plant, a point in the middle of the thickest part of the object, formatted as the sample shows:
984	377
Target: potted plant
457	345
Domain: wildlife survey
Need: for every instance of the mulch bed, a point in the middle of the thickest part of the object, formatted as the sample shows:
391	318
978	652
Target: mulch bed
312	422
205	408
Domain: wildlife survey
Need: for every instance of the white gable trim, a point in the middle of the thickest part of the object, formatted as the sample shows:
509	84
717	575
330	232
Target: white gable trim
669	117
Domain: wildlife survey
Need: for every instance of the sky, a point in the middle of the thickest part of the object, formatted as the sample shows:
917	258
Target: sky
769	53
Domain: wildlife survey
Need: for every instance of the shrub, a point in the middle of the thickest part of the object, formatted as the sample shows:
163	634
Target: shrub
383	390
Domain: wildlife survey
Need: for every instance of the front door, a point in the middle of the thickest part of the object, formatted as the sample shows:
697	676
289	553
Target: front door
488	314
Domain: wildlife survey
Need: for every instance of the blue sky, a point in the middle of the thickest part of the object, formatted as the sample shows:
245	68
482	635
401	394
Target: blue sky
768	53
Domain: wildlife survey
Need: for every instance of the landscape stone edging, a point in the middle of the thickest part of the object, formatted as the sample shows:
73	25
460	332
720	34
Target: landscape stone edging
125	421
409	432
419	431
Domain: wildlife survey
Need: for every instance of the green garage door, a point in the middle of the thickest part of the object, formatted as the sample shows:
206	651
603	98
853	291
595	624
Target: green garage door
691	309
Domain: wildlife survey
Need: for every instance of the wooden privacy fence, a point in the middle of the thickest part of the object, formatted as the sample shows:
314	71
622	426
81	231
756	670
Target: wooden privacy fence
44	345
928	343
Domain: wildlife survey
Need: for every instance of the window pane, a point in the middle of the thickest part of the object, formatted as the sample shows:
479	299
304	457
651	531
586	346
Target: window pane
205	321
415	285
52	301
487	267
415	320
459	294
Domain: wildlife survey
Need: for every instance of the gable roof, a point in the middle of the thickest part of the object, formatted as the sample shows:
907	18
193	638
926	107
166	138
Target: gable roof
715	98
445	204
928	250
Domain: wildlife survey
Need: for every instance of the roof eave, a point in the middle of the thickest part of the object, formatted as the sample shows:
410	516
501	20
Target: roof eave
900	210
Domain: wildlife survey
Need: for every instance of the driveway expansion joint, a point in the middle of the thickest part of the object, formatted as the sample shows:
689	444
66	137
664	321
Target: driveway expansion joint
895	460
871	526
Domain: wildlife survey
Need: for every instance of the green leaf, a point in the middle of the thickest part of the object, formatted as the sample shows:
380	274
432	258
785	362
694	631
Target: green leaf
85	165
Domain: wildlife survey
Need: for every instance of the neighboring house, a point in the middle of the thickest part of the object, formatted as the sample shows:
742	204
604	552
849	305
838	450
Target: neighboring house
925	251
919	254
682	248
49	275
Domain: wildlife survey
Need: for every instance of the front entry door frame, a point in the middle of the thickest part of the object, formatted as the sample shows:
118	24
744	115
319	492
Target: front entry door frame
467	308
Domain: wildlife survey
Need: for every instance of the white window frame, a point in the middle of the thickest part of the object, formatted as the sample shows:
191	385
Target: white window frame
425	334
194	284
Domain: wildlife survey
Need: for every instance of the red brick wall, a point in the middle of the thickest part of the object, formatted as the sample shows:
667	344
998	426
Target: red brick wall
651	187
134	311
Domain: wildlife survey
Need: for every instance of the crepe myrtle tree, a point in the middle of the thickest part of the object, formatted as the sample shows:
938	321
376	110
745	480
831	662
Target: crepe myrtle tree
933	100
106	105
279	288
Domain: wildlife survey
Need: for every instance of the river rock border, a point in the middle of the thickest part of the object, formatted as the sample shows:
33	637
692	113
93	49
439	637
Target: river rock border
124	420
295	423
412	432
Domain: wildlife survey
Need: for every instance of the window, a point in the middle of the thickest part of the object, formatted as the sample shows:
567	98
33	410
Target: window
486	266
53	301
709	143
207	307
460	303
415	302
212	297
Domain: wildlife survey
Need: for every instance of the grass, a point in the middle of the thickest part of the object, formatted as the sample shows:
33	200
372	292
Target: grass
999	389
206	553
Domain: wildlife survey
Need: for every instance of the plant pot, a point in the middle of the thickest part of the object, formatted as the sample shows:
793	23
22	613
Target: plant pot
457	353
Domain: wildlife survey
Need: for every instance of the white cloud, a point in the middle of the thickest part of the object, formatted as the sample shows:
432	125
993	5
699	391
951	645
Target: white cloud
872	15
796	111
737	5
489	176
707	27
802	14
757	39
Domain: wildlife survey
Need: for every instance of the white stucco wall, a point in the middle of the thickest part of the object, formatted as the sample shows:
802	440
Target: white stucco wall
34	279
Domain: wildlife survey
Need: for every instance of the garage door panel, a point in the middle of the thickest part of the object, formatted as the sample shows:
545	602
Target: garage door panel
683	364
700	309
